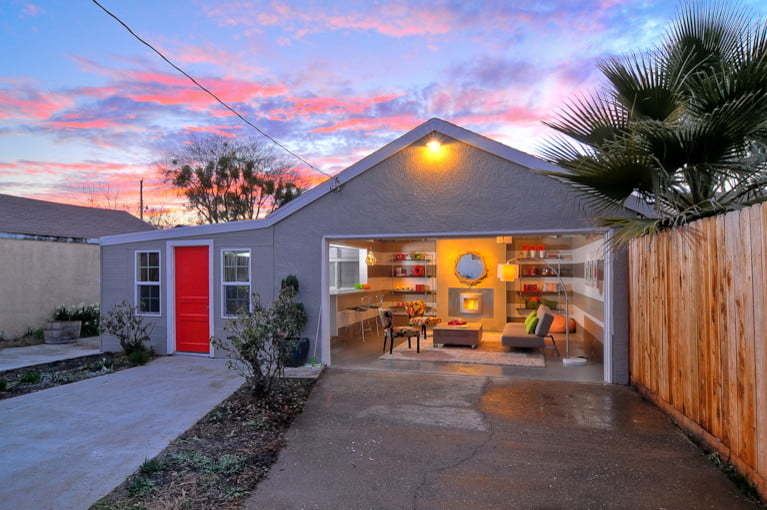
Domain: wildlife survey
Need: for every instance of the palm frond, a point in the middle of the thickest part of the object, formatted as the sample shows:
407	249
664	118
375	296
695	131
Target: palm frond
642	86
591	120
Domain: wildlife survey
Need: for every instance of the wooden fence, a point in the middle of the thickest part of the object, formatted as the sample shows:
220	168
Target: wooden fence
698	331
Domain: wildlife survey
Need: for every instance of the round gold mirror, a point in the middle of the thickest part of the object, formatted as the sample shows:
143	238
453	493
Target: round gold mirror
470	268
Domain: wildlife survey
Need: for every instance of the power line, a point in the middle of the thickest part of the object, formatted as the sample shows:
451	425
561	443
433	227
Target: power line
213	95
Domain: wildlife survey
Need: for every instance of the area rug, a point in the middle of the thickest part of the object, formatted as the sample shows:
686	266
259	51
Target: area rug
489	352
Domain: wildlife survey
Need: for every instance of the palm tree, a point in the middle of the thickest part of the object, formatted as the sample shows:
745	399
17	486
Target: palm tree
680	130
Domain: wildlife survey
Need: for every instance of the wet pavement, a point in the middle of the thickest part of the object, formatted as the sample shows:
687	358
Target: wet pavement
394	440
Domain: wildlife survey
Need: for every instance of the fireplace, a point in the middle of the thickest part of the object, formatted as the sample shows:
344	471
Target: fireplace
471	303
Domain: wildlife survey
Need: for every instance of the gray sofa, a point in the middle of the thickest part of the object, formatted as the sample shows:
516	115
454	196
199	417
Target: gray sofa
514	334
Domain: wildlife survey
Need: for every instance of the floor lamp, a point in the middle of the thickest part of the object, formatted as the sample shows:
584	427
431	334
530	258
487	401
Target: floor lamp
509	272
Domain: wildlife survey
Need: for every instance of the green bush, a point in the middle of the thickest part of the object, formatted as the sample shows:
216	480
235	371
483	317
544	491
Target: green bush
140	356
124	323
259	341
31	377
89	315
3	385
150	467
140	486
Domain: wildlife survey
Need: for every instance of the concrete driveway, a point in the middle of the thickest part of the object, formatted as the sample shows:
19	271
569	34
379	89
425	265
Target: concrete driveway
397	440
65	447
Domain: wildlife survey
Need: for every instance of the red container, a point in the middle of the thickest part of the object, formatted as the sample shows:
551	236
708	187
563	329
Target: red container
419	270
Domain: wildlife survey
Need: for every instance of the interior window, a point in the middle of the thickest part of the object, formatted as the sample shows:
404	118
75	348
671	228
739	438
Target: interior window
344	271
148	282
236	282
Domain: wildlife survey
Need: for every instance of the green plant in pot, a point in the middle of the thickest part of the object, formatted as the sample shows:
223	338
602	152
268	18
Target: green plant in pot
294	316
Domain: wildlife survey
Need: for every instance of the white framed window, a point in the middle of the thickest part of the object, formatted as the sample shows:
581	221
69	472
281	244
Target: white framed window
235	282
347	267
147	282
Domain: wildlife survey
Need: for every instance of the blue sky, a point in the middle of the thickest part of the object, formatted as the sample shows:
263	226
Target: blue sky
84	106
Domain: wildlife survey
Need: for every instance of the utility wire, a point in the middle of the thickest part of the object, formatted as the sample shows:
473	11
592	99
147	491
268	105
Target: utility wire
214	96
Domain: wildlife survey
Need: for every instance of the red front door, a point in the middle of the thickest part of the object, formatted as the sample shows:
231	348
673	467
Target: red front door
192	299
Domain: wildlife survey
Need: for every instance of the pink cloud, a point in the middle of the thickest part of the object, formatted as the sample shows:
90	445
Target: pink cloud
28	103
393	123
31	9
308	106
83	124
222	130
394	19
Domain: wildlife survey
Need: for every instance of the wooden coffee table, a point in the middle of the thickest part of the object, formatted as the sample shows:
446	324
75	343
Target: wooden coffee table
469	334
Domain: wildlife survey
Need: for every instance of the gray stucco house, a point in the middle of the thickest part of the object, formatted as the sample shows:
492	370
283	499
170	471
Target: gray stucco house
188	280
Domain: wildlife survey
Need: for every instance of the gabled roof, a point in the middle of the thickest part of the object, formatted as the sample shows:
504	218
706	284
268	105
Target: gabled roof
26	216
385	152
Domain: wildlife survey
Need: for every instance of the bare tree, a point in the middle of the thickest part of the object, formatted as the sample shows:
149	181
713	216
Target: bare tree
103	196
228	179
161	217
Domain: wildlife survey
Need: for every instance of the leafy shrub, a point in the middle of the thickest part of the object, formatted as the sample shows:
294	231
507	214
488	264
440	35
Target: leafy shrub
140	486
89	315
139	357
130	329
3	385
31	377
258	341
150	467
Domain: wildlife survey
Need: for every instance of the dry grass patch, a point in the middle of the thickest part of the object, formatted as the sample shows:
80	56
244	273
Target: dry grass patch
220	460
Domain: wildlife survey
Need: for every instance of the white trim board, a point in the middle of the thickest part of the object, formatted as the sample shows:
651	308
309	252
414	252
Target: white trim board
430	126
170	276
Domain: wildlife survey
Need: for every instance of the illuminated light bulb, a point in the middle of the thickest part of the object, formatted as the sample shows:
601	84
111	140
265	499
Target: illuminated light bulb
434	145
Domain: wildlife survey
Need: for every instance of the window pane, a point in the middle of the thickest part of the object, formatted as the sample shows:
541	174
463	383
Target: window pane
243	258
349	274
333	274
236	299
148	267
149	298
349	253
236	264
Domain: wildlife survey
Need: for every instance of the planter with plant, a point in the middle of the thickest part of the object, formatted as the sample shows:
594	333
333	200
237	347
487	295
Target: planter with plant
71	323
131	331
296	347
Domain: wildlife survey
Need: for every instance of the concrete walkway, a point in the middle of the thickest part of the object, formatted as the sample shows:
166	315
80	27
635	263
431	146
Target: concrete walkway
65	447
17	357
388	440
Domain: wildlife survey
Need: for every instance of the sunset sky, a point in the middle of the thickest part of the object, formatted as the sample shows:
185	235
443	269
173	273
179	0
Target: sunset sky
83	106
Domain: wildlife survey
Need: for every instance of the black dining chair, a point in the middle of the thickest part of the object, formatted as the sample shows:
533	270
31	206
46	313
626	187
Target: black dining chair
391	331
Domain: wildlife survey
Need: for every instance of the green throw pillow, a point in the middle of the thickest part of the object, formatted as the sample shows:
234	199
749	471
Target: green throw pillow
530	322
530	327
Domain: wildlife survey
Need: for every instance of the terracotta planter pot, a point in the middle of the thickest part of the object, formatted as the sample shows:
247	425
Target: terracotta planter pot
62	332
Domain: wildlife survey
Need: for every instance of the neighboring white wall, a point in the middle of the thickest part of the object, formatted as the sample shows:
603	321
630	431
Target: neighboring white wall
37	276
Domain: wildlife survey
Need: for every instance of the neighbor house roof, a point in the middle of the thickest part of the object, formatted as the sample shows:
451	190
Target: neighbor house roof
430	126
26	216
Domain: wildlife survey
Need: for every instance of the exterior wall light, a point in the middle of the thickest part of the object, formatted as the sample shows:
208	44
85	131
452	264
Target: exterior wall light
434	145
